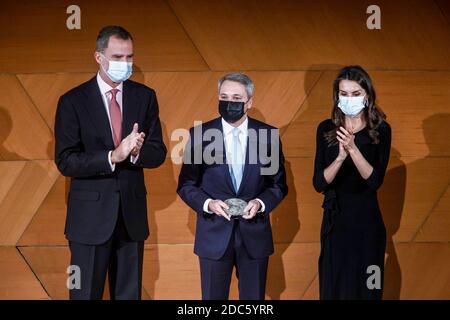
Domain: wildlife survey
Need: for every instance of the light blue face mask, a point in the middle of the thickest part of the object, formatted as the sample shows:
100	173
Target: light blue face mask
351	106
118	71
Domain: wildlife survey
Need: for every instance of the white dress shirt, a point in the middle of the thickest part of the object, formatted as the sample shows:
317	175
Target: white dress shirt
228	139
105	90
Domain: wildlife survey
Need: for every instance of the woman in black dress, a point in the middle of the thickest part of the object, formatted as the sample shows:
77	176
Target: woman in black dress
352	153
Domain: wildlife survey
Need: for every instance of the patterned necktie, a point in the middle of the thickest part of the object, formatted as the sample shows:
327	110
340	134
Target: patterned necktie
237	161
116	118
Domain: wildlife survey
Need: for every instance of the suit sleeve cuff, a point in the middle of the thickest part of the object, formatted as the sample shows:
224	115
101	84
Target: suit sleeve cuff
113	166
263	206
206	204
134	159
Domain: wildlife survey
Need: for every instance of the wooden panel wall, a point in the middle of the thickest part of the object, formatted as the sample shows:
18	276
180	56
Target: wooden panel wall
292	50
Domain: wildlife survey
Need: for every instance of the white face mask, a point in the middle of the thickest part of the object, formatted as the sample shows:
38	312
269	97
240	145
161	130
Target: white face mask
118	71
351	106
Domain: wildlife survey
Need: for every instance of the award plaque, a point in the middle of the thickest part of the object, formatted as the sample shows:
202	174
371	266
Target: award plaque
236	207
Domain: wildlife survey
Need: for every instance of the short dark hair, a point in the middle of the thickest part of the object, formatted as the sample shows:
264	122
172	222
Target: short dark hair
108	31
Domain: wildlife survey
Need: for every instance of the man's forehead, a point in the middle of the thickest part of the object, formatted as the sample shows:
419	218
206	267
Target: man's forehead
232	87
116	44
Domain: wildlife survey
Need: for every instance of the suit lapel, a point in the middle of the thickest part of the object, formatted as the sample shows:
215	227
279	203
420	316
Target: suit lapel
98	114
129	113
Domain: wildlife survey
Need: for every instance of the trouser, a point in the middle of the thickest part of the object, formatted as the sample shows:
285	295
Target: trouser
120	257
251	273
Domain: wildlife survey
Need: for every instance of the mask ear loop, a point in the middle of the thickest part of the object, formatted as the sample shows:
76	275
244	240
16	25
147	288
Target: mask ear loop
101	65
247	102
246	111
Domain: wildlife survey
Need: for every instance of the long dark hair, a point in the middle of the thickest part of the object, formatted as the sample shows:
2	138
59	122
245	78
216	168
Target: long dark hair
373	116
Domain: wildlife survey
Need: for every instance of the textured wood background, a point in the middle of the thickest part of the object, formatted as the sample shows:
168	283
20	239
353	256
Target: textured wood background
292	50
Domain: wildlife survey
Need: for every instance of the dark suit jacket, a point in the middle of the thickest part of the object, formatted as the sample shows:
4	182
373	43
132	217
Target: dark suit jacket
83	140
198	182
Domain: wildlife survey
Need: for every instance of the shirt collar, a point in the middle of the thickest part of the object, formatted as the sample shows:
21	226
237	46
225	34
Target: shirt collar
227	128
104	87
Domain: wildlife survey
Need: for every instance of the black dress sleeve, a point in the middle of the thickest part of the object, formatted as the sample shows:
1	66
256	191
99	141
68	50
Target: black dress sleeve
375	180
319	182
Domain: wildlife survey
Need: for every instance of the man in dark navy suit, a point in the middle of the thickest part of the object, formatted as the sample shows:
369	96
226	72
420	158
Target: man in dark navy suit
107	130
232	165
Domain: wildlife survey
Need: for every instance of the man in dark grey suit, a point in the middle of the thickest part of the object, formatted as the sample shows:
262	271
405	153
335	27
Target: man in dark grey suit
238	171
107	130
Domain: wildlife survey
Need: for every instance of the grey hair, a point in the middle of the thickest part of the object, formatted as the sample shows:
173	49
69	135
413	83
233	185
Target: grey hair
240	78
108	31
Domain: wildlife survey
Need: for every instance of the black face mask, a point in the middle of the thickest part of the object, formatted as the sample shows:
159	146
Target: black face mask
231	111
